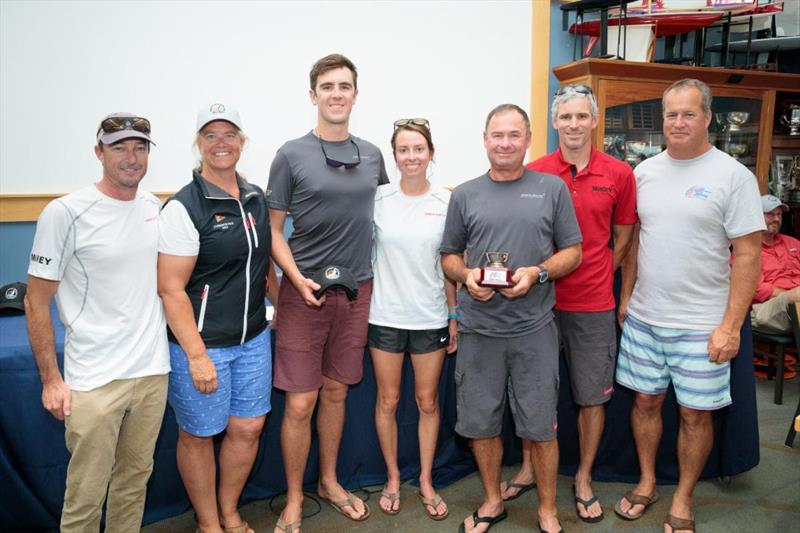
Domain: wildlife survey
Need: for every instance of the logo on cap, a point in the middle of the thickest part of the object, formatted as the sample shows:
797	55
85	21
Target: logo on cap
217	108
11	293
332	273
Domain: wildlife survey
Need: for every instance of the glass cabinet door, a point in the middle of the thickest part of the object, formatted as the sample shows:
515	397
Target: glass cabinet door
633	131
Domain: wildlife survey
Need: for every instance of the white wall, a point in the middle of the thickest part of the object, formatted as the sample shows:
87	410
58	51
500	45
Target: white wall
66	64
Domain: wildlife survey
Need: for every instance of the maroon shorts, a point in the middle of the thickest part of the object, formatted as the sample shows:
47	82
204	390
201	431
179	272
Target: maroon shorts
312	342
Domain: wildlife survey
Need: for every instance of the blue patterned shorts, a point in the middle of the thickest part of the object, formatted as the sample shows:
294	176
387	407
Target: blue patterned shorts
650	356
244	386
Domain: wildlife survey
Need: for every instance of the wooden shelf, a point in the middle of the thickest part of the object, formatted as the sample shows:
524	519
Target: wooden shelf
788	142
622	83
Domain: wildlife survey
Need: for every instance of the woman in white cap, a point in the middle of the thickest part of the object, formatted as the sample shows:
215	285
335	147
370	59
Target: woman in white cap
214	259
409	307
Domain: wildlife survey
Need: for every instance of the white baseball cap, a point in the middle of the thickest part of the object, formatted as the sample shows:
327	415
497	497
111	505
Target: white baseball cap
770	202
218	112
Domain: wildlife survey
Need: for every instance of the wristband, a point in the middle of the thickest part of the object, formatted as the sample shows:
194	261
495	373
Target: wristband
453	315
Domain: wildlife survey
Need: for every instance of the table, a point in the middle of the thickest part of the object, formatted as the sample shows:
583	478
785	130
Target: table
33	456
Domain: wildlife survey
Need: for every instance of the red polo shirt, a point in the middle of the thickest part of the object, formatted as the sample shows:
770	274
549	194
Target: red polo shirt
604	194
780	267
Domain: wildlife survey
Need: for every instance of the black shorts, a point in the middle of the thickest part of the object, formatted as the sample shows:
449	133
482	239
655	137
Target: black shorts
414	341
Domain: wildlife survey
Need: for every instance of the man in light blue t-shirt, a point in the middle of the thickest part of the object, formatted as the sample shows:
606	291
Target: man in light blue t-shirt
681	302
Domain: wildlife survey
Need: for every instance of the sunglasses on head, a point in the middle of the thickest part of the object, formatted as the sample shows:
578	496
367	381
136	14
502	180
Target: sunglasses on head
336	163
115	124
580	89
416	121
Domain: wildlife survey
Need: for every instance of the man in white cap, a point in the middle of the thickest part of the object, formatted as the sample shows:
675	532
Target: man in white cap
95	250
780	272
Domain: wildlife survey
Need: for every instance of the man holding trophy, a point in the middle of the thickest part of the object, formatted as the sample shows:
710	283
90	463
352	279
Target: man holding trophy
509	221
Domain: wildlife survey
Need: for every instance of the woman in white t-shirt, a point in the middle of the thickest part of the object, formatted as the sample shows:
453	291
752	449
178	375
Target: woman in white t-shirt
413	306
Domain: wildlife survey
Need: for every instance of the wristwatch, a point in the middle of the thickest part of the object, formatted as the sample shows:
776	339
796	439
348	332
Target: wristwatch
544	275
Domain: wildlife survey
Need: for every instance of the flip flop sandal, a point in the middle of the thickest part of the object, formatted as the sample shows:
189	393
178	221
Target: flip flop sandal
678	524
289	528
545	531
586	504
434	503
241	528
392	497
522	488
635	499
339	506
491	520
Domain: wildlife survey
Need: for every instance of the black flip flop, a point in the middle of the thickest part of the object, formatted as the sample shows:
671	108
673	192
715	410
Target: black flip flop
491	520
586	504
521	487
545	531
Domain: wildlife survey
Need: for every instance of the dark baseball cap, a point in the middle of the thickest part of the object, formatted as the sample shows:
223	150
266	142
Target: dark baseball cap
334	276
11	297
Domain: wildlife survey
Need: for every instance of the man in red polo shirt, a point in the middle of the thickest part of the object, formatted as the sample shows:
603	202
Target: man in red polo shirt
604	194
780	272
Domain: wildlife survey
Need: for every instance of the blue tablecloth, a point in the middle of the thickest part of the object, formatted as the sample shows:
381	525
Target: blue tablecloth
33	456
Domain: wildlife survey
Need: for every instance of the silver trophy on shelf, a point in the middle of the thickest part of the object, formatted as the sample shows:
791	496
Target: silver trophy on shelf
731	121
791	119
783	173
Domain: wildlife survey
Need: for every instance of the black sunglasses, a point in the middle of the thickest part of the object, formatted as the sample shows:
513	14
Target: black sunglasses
336	163
115	124
580	89
416	121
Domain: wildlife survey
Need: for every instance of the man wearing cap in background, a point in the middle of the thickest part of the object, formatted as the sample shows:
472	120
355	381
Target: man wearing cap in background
95	250
327	179
780	272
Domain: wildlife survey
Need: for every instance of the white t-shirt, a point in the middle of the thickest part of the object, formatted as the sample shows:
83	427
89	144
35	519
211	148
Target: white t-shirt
408	287
177	233
689	211
104	253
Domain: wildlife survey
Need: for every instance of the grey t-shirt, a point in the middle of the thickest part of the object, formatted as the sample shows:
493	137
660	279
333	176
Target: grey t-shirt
331	208
529	218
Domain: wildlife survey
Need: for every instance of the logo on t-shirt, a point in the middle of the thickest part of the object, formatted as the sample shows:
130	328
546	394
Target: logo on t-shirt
332	273
531	195
603	188
698	192
42	260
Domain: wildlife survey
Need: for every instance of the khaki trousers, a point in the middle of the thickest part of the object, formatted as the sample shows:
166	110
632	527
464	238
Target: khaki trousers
111	434
771	316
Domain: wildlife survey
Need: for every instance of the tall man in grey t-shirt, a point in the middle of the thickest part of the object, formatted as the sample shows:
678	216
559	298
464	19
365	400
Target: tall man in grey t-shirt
509	333
327	180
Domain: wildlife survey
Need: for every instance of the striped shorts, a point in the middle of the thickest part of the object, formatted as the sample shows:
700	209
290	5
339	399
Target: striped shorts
650	356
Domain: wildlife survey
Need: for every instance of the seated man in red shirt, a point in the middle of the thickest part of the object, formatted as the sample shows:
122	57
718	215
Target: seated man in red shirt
780	272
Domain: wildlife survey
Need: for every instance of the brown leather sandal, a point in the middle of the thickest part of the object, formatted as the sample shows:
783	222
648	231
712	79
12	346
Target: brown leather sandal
679	524
635	499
